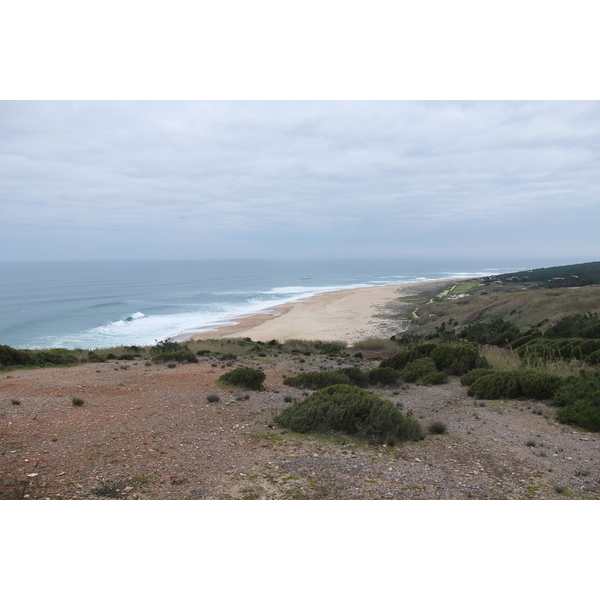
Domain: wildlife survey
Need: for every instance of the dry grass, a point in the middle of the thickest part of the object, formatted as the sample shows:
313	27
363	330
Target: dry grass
381	346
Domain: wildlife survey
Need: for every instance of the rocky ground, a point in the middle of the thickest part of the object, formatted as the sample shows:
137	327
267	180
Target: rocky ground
148	432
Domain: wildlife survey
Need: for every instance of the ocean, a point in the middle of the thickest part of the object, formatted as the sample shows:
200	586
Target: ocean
100	304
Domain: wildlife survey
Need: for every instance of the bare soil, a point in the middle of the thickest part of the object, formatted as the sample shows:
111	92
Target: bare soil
148	432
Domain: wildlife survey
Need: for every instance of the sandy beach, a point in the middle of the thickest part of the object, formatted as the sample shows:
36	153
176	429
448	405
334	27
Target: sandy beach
346	315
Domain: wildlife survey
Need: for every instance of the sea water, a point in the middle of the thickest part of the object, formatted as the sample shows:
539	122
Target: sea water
100	304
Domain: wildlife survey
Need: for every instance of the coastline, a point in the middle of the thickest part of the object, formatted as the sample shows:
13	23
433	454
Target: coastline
347	315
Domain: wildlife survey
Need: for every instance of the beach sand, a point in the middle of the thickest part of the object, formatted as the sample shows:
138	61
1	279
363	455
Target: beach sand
345	315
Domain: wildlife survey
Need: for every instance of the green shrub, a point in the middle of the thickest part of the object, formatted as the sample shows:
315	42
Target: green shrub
180	356
437	378
500	384
167	346
593	358
590	332
437	427
400	360
351	410
539	386
9	357
317	380
383	376
516	384
212	398
457	359
94	357
355	375
418	369
331	349
57	356
521	341
484	332
472	376
579	399
244	377
571	325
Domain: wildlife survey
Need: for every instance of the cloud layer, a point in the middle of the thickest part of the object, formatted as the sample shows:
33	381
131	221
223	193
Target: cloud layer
284	179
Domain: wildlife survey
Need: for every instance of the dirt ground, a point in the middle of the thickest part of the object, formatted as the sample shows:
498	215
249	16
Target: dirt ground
148	432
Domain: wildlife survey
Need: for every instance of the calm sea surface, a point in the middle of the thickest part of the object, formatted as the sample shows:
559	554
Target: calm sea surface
98	304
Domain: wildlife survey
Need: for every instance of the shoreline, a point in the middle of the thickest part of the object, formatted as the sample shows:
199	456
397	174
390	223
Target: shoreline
348	315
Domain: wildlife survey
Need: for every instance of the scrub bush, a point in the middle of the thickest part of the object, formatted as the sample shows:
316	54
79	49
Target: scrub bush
57	356
539	386
351	410
383	376
579	401
400	360
484	332
177	356
417	369
244	377
457	359
316	380
356	376
436	378
501	384
516	384
472	376
9	357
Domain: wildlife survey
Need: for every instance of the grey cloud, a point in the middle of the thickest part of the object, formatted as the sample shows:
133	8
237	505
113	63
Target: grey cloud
327	169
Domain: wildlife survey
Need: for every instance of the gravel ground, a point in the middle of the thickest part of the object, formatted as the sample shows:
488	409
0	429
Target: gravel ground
148	432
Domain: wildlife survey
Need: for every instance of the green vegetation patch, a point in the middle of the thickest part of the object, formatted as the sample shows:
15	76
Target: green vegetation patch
516	384
579	401
353	411
244	377
317	380
180	356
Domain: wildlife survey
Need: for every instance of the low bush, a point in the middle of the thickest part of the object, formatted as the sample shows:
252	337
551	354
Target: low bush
244	377
593	358
179	356
212	398
516	384
500	384
355	375
437	427
167	345
417	369
9	357
485	332
316	380
437	378
472	376
57	356
400	360
351	410
539	386
383	376
457	359
579	400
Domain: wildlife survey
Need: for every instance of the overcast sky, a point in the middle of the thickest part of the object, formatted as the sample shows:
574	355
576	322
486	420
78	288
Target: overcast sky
235	179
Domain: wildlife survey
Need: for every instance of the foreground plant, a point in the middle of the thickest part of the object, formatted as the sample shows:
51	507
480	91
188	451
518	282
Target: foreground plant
351	410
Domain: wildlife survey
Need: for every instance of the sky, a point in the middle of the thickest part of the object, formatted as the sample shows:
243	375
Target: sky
335	179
